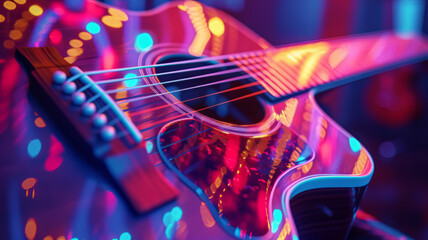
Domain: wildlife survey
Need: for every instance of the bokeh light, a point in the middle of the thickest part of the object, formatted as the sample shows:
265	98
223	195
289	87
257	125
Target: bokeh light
30	229
55	36
21	24
27	15
355	144
8	44
85	36
119	15
36	10
387	149
131	82
76	43
1	18
216	26
9	5
149	146
74	52
177	213
143	42
21	2
111	21
34	147
125	236
28	183
15	34
93	27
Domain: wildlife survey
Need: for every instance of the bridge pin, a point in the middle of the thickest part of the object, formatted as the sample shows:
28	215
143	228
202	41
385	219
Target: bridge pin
108	133
68	88
59	77
75	70
78	98
88	109
99	120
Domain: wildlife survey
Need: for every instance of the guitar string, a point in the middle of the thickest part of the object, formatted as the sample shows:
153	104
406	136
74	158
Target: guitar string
187	100
132	99
183	89
185	70
157	123
229	71
198	60
192	99
167	73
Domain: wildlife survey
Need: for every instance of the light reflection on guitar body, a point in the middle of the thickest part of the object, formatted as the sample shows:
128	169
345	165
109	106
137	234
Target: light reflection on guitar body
292	149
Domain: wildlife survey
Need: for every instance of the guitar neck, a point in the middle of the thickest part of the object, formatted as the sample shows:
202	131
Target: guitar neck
288	71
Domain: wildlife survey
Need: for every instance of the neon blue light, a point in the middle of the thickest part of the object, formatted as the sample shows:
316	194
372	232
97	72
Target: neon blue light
237	232
74	238
34	147
295	237
177	213
275	226
408	16
93	28
149	146
277	215
355	145
131	82
168	219
125	236
170	231
143	42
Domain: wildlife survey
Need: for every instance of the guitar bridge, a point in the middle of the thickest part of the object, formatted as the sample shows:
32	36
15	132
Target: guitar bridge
90	116
88	108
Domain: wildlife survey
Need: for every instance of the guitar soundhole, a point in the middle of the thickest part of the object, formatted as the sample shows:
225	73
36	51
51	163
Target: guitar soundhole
215	95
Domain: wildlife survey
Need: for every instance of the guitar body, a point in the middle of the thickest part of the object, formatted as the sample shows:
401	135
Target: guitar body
283	171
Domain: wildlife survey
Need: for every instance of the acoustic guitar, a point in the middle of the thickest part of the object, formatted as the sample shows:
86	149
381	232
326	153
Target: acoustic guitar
177	123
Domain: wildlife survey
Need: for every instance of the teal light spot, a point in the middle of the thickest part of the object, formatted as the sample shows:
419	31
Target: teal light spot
237	232
168	219
275	226
295	237
34	147
93	28
199	191
149	146
74	238
125	236
277	215
170	231
131	82
177	213
355	145
143	42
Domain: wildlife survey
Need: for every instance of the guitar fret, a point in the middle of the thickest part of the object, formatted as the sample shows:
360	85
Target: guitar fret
267	79
268	86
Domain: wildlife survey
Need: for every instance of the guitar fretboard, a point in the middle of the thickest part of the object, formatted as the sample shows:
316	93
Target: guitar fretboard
290	70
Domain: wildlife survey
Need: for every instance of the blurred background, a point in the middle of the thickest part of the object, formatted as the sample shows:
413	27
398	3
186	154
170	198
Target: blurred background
388	113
